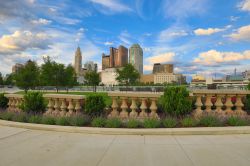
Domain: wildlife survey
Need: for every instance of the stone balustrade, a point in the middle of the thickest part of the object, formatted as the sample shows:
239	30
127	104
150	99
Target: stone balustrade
141	105
219	102
58	104
15	100
64	104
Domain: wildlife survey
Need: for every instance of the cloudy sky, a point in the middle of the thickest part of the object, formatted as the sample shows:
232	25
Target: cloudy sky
198	36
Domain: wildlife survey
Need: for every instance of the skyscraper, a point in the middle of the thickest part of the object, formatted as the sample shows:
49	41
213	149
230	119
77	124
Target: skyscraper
78	61
136	57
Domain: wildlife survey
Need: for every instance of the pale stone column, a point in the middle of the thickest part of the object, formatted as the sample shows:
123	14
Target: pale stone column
114	113
153	109
13	109
124	107
208	104
70	108
229	105
239	106
63	108
219	105
198	111
50	107
17	109
56	112
143	108
133	113
9	104
78	107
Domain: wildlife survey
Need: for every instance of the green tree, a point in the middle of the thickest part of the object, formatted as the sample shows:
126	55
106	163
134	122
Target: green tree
128	75
28	77
1	79
70	76
92	78
8	80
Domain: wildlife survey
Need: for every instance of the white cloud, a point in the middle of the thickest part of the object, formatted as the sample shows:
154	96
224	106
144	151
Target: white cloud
161	58
172	33
107	43
234	18
242	34
245	5
125	38
213	57
41	21
23	40
207	32
112	5
184	8
147	67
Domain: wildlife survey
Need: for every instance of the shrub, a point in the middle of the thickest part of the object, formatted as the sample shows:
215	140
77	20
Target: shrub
247	105
236	121
94	105
188	122
3	101
210	121
169	122
175	101
35	119
78	121
7	115
33	102
98	122
133	123
20	117
48	120
62	121
151	123
113	123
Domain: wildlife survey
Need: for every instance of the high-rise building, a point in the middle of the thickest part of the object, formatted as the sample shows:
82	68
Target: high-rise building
136	57
78	61
90	66
116	58
17	67
163	68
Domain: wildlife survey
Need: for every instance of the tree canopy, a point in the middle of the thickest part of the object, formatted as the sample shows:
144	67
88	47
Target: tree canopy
128	75
92	78
1	79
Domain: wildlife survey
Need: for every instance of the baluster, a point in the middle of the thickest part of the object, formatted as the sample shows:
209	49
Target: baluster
198	111
153	108
239	105
63	107
124	107
50	107
13	109
229	105
17	109
9	104
114	113
70	108
219	105
208	104
78	107
143	108
133	113
56	112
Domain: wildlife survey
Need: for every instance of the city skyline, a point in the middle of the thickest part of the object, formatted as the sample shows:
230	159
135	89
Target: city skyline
200	36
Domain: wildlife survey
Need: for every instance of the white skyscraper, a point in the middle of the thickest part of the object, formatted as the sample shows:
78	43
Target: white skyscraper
136	57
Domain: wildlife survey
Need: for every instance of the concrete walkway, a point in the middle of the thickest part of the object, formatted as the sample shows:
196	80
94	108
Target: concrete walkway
32	147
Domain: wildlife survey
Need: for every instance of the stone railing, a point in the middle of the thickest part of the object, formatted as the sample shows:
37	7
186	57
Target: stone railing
15	100
58	104
123	101
219	102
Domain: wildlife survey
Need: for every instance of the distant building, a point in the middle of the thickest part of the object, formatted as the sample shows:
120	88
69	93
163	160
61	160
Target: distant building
17	67
147	78
90	66
117	58
246	75
108	77
163	68
78	61
198	79
161	78
136	57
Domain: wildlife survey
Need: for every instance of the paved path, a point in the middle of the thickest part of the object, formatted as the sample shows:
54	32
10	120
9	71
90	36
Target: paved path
34	148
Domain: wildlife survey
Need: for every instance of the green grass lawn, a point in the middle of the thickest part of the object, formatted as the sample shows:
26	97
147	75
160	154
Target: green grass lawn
108	100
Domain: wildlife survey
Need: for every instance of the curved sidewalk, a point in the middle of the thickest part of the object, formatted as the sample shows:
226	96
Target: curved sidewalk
125	131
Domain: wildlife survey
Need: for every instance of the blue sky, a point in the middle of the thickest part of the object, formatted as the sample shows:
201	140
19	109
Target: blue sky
198	36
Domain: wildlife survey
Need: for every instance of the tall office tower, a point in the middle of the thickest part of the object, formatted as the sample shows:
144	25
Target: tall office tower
105	61
90	66
78	61
113	55
136	57
122	57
